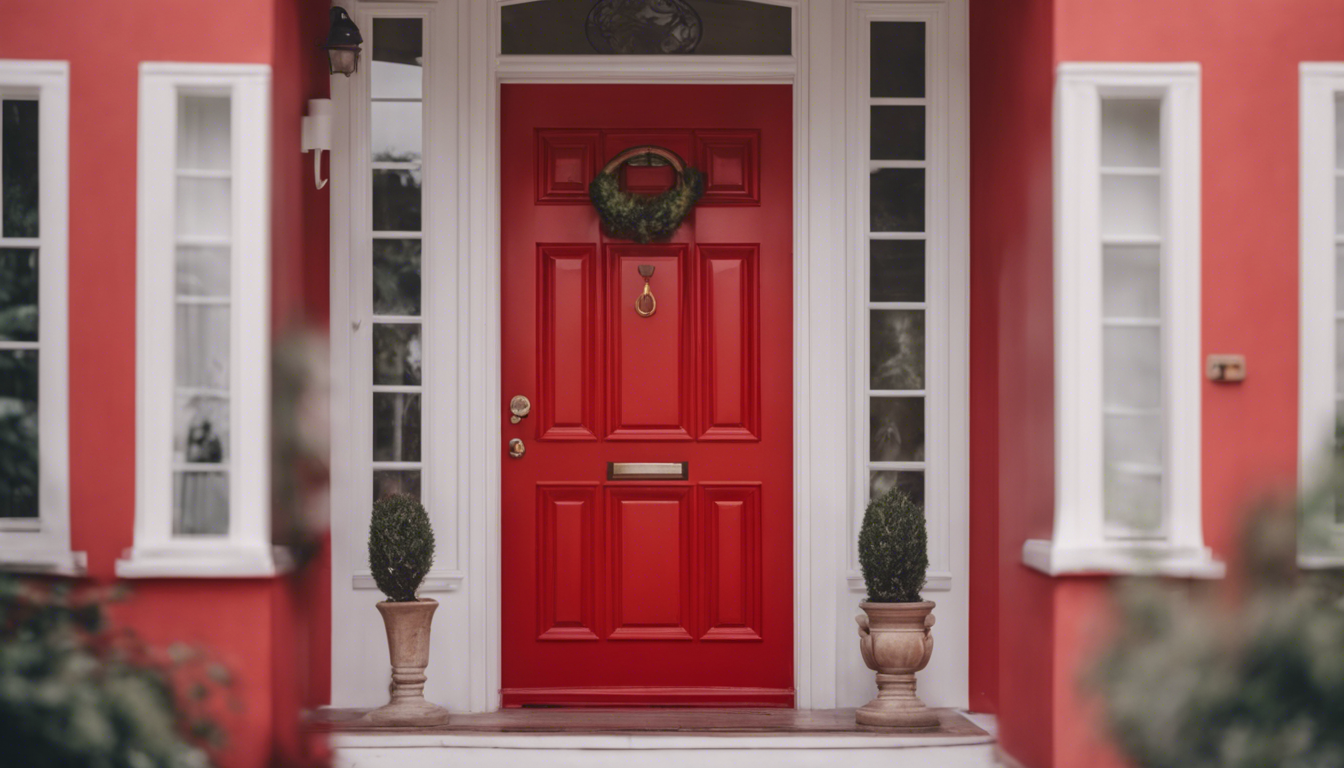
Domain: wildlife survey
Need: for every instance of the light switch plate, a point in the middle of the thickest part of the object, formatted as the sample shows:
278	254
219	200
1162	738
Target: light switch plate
1226	368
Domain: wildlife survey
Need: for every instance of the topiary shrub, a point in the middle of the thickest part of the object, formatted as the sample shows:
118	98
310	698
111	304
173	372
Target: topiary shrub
401	546
894	548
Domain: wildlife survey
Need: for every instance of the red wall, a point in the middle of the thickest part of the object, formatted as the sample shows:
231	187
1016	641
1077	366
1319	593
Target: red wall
105	43
1011	383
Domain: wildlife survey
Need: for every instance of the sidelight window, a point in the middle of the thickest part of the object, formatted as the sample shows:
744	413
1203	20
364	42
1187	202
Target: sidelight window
34	463
1128	370
203	436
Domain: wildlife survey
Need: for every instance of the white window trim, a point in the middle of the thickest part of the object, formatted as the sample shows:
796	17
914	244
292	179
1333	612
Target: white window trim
43	545
1080	543
1321	84
246	550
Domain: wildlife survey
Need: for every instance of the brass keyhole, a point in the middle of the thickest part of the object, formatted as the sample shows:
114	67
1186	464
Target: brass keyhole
519	406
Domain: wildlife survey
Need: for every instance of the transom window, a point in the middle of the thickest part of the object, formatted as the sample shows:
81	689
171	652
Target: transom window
646	28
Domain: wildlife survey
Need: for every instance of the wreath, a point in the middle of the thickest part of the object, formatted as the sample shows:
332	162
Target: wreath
645	218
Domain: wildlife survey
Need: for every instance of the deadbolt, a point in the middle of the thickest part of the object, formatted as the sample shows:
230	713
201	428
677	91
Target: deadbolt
520	406
516	448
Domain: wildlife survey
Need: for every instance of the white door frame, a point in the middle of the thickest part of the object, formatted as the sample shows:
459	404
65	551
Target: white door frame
824	365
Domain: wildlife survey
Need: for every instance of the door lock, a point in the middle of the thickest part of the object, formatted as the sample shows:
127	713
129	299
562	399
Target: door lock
519	406
516	448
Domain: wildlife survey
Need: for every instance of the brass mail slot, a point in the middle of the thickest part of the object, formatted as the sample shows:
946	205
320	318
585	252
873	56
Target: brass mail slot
667	470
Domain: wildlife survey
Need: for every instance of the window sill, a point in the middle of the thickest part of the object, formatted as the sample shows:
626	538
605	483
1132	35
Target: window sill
1121	559
58	563
195	564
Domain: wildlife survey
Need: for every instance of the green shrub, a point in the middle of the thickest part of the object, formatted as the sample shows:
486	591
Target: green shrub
401	546
894	548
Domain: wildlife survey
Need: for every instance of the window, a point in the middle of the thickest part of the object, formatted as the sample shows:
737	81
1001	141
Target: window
912	363
1127	336
646	27
34	436
1322	301
203	436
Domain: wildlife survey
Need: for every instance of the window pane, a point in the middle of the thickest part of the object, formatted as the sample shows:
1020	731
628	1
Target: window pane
1132	367
1131	282
896	200
389	481
201	432
896	270
897	59
203	132
18	433
1133	439
646	27
897	133
396	353
911	482
397	58
396	277
202	352
896	429
1133	501
396	131
200	503
203	208
896	348
202	271
396	426
18	294
396	201
1131	136
18	167
1129	206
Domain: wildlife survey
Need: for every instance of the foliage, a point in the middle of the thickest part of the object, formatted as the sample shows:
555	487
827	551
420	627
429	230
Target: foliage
644	218
1200	679
76	694
894	548
401	546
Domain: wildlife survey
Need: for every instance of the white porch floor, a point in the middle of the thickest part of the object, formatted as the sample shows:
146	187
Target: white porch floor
712	738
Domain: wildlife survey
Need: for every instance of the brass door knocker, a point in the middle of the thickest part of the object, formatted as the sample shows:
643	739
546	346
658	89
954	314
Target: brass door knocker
646	298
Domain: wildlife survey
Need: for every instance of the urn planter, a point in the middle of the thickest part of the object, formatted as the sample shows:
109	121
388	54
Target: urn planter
407	627
896	640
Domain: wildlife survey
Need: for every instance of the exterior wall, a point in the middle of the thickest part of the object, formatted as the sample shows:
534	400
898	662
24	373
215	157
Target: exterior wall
1249	54
1012	403
246	624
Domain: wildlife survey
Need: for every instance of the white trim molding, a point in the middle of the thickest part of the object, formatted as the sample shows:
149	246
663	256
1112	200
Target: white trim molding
1321	243
1086	538
245	550
42	544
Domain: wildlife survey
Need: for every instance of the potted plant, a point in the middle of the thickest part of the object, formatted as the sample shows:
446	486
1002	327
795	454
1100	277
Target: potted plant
895	626
401	551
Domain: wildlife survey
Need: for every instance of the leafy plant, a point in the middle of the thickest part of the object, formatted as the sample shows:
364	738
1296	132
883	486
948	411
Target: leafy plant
75	693
893	548
1234	677
401	546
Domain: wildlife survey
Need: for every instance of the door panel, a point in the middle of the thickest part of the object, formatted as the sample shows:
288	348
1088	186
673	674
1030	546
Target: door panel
647	591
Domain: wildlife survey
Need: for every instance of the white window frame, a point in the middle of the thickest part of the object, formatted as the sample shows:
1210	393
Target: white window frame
1081	542
246	550
1318	408
42	545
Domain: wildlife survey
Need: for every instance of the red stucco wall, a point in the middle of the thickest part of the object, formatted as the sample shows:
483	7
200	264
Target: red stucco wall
242	622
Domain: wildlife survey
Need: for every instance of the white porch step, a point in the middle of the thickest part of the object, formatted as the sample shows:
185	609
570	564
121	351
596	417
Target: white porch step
528	738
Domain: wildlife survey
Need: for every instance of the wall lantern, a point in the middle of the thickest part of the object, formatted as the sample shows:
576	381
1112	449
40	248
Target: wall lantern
342	43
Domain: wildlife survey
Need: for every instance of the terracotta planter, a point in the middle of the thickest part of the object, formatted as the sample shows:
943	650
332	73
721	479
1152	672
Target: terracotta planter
408	646
897	641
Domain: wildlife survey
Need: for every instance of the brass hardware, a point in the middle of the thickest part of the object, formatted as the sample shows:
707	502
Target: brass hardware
646	298
519	406
516	448
630	470
1226	368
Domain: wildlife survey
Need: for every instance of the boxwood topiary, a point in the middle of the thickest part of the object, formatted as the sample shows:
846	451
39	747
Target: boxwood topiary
401	546
894	548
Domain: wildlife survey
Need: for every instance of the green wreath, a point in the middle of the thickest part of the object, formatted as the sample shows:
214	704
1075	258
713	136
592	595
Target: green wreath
644	218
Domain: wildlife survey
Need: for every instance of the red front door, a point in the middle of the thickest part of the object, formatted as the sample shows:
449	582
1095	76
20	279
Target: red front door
639	591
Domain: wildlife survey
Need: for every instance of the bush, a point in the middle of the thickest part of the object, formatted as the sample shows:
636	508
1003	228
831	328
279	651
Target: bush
75	693
894	548
401	546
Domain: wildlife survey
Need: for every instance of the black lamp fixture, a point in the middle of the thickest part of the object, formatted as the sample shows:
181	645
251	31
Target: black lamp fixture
342	43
